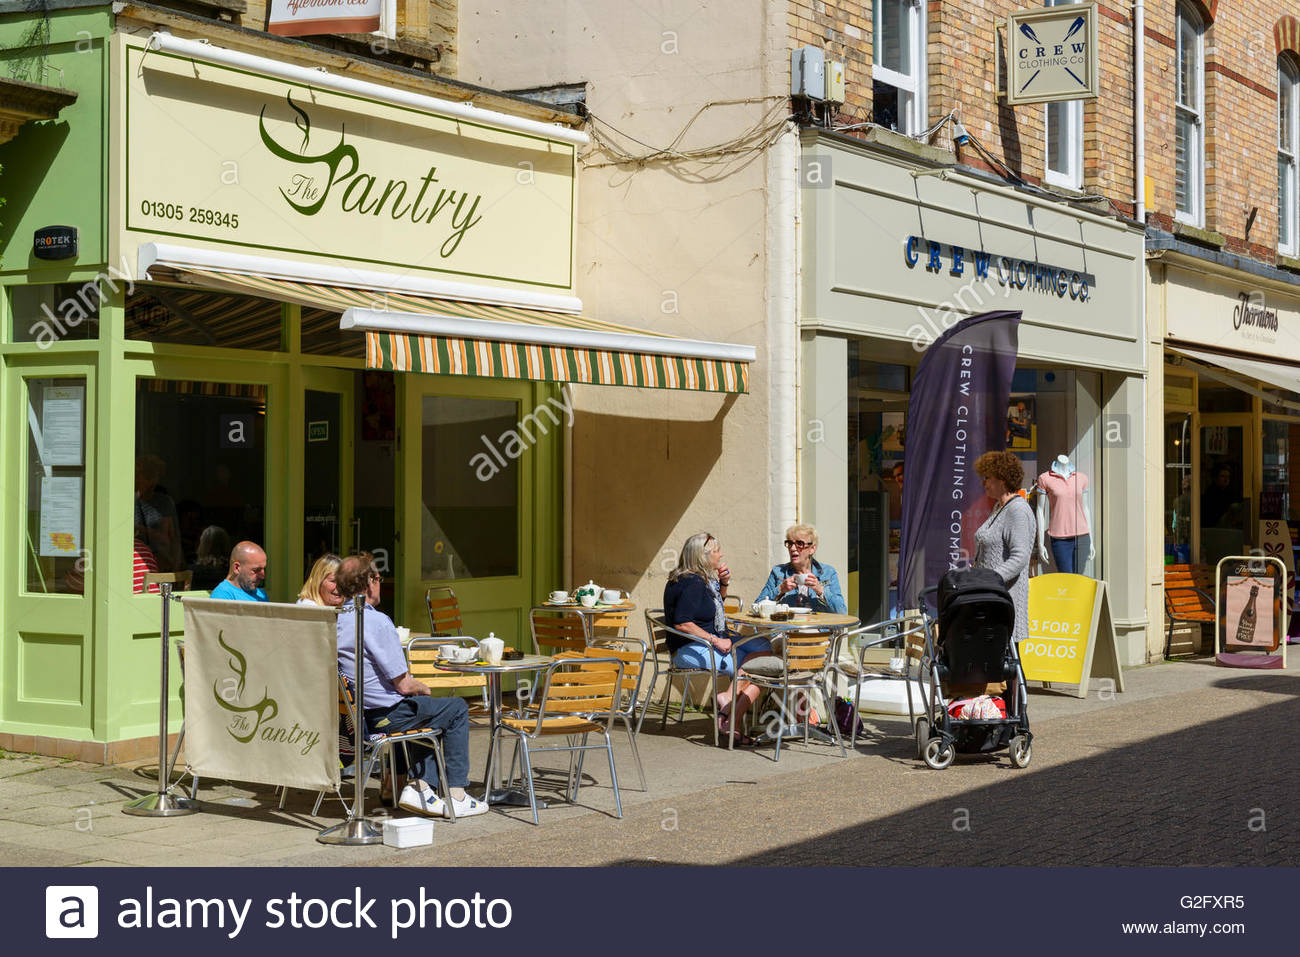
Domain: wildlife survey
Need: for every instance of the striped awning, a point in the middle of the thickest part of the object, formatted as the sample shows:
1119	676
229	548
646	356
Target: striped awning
410	333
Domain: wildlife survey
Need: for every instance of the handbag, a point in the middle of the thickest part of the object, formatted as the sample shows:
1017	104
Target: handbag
846	717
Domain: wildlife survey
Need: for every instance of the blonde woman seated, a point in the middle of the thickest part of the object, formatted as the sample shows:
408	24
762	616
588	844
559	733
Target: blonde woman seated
320	587
693	604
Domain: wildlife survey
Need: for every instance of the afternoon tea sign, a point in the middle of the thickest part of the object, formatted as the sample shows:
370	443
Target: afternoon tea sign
223	157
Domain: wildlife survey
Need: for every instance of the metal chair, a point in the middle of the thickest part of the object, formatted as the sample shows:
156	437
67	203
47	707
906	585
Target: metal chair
422	662
375	746
659	631
907	634
733	605
633	659
609	625
577	699
444	611
557	629
804	657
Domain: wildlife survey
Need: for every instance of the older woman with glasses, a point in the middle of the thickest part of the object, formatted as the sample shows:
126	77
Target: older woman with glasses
803	580
693	604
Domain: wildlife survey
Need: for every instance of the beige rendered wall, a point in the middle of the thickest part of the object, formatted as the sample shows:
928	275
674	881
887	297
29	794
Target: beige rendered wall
678	246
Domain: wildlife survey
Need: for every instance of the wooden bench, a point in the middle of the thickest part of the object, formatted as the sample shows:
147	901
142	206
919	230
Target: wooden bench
1188	598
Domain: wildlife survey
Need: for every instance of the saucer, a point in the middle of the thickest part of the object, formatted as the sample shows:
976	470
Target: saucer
560	604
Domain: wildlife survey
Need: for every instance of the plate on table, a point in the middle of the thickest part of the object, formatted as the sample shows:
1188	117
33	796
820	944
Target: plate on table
560	604
799	610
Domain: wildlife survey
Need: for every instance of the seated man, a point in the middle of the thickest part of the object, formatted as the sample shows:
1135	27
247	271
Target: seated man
395	701
247	572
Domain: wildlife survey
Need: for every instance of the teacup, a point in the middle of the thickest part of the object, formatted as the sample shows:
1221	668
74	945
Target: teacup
588	601
559	596
403	634
611	596
492	649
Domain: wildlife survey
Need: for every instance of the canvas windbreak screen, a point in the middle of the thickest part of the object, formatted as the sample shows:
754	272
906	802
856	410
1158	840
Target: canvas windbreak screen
261	693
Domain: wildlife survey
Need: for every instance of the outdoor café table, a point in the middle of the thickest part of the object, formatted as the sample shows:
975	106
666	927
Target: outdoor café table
491	793
820	620
589	615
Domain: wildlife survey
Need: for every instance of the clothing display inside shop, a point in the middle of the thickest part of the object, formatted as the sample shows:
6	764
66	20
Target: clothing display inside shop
1064	516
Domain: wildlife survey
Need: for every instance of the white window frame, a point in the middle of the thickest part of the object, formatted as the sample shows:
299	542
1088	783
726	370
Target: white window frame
1072	127
1288	76
1196	111
911	88
387	20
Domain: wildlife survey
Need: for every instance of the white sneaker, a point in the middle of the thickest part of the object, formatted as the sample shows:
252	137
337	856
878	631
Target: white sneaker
469	807
424	801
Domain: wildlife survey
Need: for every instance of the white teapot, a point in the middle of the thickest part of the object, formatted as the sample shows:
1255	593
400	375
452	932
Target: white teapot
591	588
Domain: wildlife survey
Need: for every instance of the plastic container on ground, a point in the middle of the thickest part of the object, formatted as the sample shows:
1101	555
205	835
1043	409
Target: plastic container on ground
408	832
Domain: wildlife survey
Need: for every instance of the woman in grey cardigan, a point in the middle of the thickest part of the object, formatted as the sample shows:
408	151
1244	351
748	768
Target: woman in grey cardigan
1005	542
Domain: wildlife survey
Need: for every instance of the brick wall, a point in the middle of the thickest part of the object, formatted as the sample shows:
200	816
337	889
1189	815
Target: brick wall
963	72
1240	121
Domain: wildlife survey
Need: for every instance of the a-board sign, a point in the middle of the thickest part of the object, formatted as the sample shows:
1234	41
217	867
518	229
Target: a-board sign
1071	634
1250	620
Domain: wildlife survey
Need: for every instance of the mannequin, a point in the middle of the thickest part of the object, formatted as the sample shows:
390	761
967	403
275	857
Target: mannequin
1065	516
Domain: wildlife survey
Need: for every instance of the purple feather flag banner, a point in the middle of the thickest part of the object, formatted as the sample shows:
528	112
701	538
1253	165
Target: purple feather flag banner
957	411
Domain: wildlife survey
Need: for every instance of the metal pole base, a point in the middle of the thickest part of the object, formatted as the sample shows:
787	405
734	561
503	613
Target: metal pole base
161	805
352	833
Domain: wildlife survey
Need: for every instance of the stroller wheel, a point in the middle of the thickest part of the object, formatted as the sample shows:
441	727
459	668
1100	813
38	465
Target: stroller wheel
937	754
922	736
1021	751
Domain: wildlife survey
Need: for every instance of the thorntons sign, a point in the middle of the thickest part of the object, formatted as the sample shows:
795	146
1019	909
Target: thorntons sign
1253	319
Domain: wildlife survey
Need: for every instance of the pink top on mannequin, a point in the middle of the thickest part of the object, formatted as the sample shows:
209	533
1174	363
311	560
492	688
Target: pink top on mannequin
1065	496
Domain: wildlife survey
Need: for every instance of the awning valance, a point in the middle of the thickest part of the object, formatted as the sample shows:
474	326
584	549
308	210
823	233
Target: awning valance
413	333
1241	372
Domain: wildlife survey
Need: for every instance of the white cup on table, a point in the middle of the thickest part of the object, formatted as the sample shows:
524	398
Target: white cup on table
403	634
588	601
611	596
558	596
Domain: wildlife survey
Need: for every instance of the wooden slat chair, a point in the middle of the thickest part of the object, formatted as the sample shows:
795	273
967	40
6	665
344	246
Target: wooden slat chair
732	605
804	658
632	652
376	746
610	625
575	700
422	660
444	611
1188	598
556	630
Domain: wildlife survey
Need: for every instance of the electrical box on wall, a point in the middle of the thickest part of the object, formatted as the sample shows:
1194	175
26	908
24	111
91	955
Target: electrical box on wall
835	81
808	73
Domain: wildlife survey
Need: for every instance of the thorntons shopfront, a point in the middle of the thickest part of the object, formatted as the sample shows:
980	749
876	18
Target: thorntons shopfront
262	250
894	253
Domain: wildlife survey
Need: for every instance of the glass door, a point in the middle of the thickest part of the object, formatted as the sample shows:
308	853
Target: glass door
328	442
1228	518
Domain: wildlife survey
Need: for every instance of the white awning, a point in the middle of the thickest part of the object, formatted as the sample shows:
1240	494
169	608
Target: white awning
1242	373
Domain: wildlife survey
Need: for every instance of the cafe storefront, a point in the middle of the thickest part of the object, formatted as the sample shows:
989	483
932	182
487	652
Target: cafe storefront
895	251
310	311
1229	418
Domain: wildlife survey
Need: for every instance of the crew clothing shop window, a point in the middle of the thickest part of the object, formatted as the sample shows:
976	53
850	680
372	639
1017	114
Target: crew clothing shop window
1064	137
200	476
1288	127
56	485
1189	120
1053	428
898	65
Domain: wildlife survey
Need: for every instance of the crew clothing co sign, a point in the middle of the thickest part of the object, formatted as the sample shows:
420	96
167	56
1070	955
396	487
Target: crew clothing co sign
1052	54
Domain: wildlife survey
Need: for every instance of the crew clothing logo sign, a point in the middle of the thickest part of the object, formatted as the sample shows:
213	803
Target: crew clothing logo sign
1052	54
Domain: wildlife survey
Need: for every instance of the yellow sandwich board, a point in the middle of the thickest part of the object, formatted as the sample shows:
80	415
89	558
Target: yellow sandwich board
1071	635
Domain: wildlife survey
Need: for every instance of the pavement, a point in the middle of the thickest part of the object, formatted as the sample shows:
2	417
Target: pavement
1190	765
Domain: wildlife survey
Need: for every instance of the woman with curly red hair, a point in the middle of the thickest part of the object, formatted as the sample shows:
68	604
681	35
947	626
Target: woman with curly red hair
1005	542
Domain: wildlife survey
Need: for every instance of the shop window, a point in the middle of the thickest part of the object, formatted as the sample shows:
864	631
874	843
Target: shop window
898	65
56	485
1189	120
200	474
1178	488
1281	439
321	336
1064	137
1221	398
470	485
55	312
1288	134
186	316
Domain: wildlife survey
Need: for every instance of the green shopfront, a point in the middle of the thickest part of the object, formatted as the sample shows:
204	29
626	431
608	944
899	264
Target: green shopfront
264	255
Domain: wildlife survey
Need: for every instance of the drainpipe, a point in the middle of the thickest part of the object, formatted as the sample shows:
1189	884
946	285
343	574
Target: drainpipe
783	327
1139	113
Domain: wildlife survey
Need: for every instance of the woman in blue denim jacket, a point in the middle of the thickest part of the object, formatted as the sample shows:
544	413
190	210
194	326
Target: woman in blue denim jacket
803	580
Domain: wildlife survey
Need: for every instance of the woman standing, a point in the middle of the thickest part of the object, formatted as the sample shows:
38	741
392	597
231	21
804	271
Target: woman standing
1005	542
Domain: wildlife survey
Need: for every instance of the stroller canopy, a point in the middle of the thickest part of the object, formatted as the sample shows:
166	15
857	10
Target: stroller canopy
962	587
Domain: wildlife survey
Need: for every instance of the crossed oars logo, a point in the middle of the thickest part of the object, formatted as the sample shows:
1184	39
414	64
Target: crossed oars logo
1028	31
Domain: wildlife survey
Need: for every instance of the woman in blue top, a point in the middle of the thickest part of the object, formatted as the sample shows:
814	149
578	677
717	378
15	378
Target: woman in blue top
693	604
803	580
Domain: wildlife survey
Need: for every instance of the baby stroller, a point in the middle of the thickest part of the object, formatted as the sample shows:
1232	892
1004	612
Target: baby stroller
971	646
